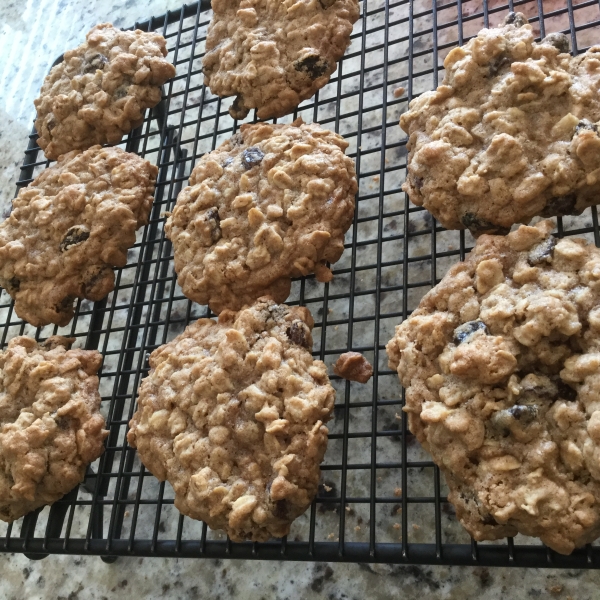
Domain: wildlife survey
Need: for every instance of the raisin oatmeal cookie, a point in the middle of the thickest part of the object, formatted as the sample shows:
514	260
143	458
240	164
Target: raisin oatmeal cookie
272	54
232	416
50	424
271	203
511	133
101	89
501	365
69	228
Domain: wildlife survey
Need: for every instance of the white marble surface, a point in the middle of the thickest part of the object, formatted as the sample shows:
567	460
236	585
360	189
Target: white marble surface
32	34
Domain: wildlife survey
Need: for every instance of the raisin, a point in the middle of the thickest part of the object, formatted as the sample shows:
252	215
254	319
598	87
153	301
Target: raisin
489	520
238	110
76	235
542	252
584	125
88	285
13	284
214	223
462	332
516	19
558	40
477	225
497	63
417	182
91	65
524	413
297	333
252	157
228	161
314	66
565	391
559	206
281	509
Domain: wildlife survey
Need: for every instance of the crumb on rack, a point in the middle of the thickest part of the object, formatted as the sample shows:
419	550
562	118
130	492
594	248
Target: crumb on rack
353	366
399	91
398	492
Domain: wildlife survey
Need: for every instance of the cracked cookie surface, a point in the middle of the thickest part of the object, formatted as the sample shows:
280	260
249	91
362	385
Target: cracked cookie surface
272	54
69	228
101	89
511	133
501	365
232	414
271	203
50	424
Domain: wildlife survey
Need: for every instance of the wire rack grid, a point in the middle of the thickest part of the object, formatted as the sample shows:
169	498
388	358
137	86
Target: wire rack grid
381	498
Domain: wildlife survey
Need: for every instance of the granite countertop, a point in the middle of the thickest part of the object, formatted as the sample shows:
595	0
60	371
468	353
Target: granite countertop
32	35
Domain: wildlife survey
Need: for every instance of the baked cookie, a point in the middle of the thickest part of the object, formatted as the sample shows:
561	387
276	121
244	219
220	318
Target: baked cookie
511	133
232	416
272	54
271	203
101	89
50	424
501	365
69	228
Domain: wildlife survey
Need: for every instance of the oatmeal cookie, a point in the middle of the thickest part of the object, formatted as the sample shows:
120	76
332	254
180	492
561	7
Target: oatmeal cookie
501	365
272	54
69	228
101	89
271	203
511	133
50	424
232	416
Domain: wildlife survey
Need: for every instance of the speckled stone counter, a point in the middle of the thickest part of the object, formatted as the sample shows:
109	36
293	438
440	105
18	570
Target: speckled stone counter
32	35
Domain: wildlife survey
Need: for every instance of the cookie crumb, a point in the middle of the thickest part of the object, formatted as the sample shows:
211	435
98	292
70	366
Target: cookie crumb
416	527
327	488
399	91
396	525
354	367
357	528
398	492
555	589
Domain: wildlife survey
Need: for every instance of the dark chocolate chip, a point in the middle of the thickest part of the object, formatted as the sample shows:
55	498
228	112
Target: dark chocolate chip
462	332
558	40
516	19
565	391
76	235
314	66
281	509
542	252
297	333
214	223
252	157
94	63
477	225
497	63
559	206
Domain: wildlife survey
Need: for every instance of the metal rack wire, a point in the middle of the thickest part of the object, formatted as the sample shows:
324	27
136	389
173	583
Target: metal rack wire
381	499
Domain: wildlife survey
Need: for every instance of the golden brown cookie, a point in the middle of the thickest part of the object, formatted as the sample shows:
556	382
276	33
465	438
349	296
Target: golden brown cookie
232	414
271	203
101	89
511	133
68	229
501	365
50	424
272	54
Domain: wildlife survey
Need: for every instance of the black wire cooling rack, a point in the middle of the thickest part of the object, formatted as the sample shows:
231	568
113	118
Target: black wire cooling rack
381	498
